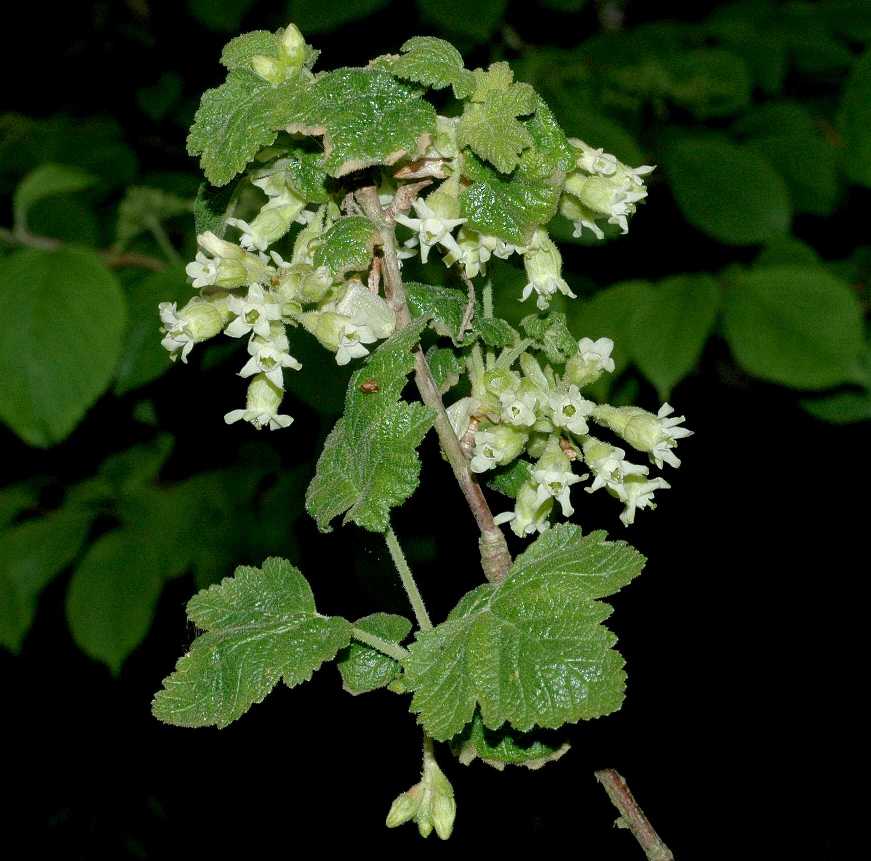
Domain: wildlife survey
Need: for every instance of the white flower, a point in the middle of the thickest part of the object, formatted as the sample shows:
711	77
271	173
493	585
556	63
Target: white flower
518	408
431	229
269	357
638	494
496	446
253	313
556	482
669	434
569	409
262	403
351	341
177	340
486	454
530	515
609	466
597	353
498	247
202	270
543	265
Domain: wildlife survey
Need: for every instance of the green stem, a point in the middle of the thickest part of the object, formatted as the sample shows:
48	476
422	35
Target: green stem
405	575
495	558
162	240
392	650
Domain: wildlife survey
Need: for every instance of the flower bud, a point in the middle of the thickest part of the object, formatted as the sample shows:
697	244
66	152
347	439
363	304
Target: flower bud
293	45
404	807
268	69
655	434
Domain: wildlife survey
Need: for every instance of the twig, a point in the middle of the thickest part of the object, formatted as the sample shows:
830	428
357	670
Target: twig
632	816
495	558
113	259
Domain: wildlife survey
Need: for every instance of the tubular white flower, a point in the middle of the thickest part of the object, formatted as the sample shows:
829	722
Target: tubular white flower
254	313
262	403
351	342
590	362
202	318
367	309
431	230
609	466
530	515
270	356
496	446
543	264
655	434
518	407
638	494
229	266
202	270
569	409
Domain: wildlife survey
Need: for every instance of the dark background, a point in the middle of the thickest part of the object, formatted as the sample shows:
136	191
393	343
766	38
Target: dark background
734	731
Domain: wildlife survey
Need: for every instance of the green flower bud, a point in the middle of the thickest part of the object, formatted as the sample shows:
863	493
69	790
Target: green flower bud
302	283
293	45
499	380
268	69
405	807
531	368
429	803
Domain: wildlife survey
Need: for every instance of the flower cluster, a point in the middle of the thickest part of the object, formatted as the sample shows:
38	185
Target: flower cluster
532	409
249	294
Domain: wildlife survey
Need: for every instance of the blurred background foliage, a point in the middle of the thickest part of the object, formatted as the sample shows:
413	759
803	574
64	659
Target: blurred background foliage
747	268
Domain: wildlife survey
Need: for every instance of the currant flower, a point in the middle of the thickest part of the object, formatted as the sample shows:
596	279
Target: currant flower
339	334
253	313
496	446
543	264
637	493
229	266
655	434
609	466
431	229
554	476
366	309
590	362
269	356
261	406
569	409
430	803
530	515
202	318
518	407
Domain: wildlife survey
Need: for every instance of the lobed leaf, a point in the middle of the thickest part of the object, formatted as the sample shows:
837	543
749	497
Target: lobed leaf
347	245
366	669
260	625
531	651
504	746
432	62
369	463
365	116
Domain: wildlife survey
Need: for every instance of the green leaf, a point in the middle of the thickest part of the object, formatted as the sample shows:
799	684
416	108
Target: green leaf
787	249
142	208
789	137
61	353
323	16
670	327
511	207
138	465
432	62
446	367
502	747
794	325
213	206
369	463
48	180
455	16
32	554
709	82
489	124
143	358
347	245
236	120
841	408
854	121
239	51
532	650
551	335
729	192
509	479
305	175
161	97
16	498
365	669
261	625
609	314
225	16
112	596
445	308
365	116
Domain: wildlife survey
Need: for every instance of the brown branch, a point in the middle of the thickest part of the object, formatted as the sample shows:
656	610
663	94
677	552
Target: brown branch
112	258
495	558
632	816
